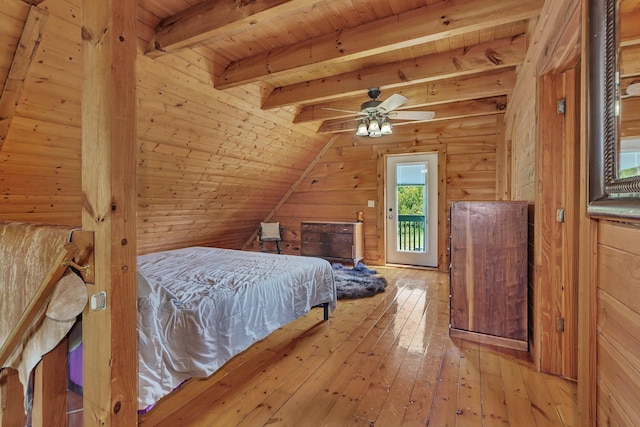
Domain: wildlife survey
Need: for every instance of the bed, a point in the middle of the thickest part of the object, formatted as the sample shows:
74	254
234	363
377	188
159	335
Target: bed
199	306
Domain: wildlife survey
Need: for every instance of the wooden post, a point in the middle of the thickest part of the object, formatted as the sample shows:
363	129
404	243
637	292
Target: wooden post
50	389
109	209
11	399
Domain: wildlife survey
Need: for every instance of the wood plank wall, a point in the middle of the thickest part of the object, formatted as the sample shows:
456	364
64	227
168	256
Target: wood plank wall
618	324
40	160
348	175
211	164
558	22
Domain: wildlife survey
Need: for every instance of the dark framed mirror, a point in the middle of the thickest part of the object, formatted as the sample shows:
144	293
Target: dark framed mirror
614	150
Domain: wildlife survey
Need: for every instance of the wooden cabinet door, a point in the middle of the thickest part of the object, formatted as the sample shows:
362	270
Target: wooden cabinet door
488	276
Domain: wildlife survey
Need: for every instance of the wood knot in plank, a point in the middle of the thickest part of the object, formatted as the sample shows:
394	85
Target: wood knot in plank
493	56
86	34
158	46
244	3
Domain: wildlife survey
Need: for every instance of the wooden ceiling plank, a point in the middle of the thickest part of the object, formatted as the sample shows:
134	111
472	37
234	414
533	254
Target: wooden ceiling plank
211	19
479	58
418	26
453	110
451	90
27	48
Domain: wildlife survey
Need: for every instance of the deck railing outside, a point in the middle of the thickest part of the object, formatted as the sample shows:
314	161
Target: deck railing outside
411	233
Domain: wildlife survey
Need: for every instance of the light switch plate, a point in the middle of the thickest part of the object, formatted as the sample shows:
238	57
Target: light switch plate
99	301
371	203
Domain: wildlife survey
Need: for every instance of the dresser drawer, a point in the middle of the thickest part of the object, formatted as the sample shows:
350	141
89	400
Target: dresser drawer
327	228
332	240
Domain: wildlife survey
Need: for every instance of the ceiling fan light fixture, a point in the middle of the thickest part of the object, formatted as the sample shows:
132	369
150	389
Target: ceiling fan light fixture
385	128
374	126
375	134
362	129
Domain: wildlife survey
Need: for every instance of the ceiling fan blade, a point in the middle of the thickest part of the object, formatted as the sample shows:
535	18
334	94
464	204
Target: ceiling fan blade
393	102
412	115
345	121
360	113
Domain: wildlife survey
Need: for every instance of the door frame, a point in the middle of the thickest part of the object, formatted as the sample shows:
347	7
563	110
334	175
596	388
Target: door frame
417	259
441	150
556	251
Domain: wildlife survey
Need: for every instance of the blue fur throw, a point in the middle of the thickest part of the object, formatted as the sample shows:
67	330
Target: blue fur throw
357	282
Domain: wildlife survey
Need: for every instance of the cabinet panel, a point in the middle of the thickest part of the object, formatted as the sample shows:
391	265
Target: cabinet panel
488	275
342	241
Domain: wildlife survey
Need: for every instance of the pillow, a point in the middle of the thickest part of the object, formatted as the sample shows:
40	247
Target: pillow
270	230
144	288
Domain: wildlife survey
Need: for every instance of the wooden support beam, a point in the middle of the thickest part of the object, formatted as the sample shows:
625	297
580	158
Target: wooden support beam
109	209
452	90
211	19
412	28
483	57
453	110
27	48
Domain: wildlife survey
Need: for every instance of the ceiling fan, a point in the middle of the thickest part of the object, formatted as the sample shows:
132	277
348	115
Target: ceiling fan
374	115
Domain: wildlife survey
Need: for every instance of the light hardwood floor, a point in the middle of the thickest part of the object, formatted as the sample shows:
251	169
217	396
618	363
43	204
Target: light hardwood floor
380	361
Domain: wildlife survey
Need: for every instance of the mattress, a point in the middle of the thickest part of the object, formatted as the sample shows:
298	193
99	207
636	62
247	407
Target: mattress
198	307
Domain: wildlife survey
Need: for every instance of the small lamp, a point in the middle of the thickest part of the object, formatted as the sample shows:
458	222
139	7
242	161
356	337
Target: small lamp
385	129
374	126
362	129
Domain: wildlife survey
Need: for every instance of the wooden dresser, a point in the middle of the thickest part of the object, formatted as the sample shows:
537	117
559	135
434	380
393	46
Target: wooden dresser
341	241
488	273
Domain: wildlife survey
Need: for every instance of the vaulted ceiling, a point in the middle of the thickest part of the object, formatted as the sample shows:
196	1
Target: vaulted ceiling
457	58
238	98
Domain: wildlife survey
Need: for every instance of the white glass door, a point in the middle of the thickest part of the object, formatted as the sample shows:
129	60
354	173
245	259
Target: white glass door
411	209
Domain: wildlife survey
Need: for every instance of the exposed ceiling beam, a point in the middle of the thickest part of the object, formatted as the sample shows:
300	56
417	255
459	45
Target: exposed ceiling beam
474	59
415	27
453	110
210	19
459	89
25	52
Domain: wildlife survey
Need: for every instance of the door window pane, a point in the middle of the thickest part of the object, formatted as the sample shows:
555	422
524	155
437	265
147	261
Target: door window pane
411	196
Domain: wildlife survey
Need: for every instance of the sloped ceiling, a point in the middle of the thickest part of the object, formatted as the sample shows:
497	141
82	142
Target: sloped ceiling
233	97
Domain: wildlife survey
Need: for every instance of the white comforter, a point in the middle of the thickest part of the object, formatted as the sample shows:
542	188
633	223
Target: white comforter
198	307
